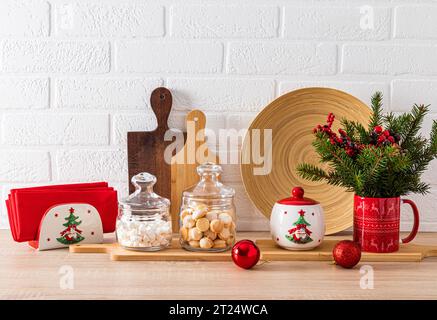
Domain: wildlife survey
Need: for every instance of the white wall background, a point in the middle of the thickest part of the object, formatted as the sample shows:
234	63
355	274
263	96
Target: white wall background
75	76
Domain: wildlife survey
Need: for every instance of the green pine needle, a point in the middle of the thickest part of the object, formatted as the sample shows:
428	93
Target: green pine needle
382	171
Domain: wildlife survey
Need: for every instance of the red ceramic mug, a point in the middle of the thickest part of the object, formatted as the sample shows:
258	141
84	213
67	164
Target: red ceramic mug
377	223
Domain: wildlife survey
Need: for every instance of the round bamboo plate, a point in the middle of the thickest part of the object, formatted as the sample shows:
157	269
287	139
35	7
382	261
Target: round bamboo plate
292	118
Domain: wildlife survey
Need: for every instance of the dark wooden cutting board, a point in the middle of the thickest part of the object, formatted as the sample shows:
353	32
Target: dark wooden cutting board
146	149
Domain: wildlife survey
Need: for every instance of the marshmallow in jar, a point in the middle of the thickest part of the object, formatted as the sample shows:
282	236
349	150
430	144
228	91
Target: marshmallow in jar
207	217
144	221
297	223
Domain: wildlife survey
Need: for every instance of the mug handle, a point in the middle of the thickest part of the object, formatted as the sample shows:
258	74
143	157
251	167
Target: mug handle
413	232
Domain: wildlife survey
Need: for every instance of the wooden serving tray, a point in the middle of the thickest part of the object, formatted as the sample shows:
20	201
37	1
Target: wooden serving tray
407	253
269	252
174	253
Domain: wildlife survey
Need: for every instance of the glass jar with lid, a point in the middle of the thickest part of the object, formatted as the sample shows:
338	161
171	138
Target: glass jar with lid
144	221
207	217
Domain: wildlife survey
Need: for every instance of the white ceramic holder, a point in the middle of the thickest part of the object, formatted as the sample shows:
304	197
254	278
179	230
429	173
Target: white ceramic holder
66	224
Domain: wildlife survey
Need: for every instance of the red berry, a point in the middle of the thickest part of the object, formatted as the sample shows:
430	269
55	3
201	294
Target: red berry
347	253
391	139
350	152
381	139
377	129
386	133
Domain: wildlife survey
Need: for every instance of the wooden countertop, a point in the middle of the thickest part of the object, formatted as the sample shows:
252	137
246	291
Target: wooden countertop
29	274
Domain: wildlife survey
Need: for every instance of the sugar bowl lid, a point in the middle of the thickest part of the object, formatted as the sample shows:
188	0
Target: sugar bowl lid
297	198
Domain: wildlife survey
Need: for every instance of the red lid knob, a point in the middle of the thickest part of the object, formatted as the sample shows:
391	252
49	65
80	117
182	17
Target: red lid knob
297	193
297	198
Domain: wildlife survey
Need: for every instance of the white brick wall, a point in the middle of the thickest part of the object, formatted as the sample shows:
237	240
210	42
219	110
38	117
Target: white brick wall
76	75
281	58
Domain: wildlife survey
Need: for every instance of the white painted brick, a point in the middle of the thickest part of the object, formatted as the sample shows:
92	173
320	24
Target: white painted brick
55	129
98	93
91	165
221	94
169	57
24	93
239	120
24	18
201	21
231	170
177	119
423	227
335	23
122	123
427	126
281	58
91	19
416	22
4	223
122	189
362	90
389	59
55	56
430	175
405	93
24	166
248	217
425	204
214	123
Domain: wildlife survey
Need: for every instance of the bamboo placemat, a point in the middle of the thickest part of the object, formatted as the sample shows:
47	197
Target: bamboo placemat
292	118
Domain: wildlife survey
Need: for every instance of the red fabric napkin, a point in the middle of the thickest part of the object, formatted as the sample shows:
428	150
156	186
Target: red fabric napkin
27	206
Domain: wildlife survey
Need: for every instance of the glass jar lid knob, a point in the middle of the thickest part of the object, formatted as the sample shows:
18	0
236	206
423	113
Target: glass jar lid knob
143	179
209	168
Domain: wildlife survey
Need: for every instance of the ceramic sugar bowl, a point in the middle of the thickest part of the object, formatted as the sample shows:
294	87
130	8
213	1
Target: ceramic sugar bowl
297	223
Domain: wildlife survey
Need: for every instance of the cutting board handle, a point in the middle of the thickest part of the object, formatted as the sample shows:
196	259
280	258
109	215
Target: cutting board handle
161	101
196	123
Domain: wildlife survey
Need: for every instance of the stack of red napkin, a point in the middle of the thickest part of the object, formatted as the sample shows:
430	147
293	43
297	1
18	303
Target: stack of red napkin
27	206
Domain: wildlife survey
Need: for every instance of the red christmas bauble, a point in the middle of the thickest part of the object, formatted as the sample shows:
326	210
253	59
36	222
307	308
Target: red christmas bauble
347	253
245	254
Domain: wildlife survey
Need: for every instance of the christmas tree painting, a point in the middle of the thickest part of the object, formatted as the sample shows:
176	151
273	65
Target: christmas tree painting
300	233
71	234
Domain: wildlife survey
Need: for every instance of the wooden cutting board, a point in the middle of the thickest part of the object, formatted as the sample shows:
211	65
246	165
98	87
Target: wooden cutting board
407	253
269	252
175	253
185	162
146	149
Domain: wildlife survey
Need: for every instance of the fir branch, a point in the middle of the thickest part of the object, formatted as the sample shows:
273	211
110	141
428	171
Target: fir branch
417	115
312	172
376	118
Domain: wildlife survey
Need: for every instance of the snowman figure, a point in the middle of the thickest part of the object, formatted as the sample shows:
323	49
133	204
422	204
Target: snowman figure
72	234
301	233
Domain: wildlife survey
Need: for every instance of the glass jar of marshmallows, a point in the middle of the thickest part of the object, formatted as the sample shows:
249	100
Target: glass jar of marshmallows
144	221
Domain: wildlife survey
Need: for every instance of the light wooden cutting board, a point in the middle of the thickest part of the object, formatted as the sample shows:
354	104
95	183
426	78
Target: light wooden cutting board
185	162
